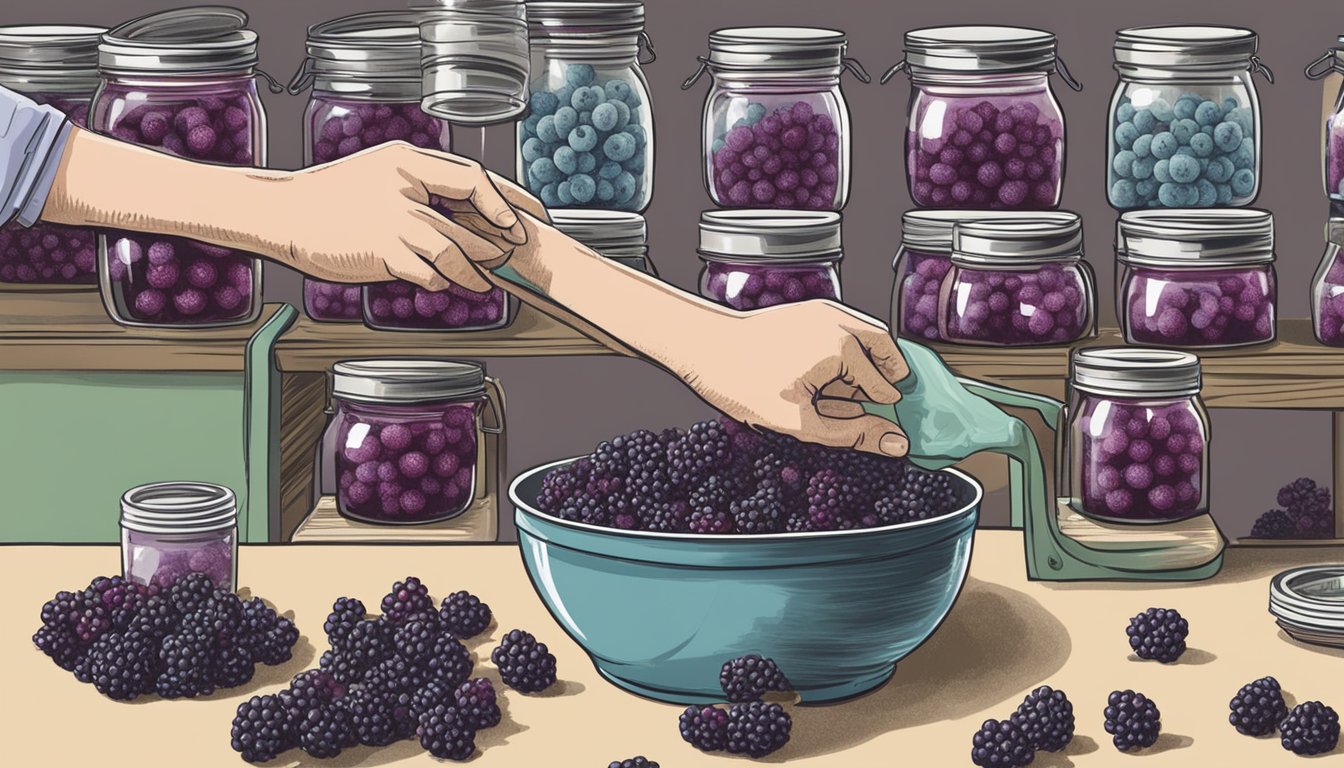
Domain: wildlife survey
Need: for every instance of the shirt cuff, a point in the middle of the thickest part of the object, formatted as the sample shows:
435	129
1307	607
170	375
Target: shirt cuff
48	148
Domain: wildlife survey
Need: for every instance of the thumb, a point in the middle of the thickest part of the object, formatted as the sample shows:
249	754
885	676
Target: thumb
869	433
865	375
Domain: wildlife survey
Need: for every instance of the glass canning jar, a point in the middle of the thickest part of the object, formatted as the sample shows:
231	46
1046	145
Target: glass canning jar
1332	151
776	124
365	74
1018	281
55	65
984	129
1137	436
406	438
587	141
1196	278
1327	289
1184	127
169	530
756	259
474	57
621	237
181	82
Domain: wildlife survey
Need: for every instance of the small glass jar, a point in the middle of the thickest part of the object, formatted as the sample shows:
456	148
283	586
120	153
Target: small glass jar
365	74
181	82
1137	436
406	438
56	65
1332	151
1184	128
1018	281
984	129
1327	289
620	237
587	141
776	124
757	259
1196	279
475	59
169	530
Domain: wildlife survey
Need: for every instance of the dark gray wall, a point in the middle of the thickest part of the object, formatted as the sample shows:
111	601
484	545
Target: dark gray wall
563	406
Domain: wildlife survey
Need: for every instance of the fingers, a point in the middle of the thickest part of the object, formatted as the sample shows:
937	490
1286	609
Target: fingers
459	178
419	271
882	351
475	246
839	408
519	198
873	434
440	255
864	373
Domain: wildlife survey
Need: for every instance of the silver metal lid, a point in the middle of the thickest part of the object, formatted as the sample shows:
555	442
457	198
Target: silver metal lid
178	508
585	19
406	381
790	49
474	59
967	49
1195	238
1309	603
932	228
1186	50
204	40
364	49
774	235
1135	372
54	58
1049	236
610	233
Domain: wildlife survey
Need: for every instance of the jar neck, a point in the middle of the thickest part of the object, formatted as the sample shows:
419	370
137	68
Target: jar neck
1150	75
405	410
981	82
383	91
621	50
167	80
771	80
1151	399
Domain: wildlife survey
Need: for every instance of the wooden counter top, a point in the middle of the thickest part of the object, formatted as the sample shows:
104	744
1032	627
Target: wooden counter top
1004	637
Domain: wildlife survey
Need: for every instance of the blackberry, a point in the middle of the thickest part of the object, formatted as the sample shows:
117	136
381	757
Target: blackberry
93	620
525	665
1158	633
1273	524
1303	496
231	667
220	618
1311	728
1132	719
559	486
396	676
1258	707
707	520
609	463
60	646
310	690
370	714
369	643
1046	717
157	618
63	610
924	494
746	441
747	678
1001	744
781	469
444	734
695	455
346	612
449	662
342	666
762	512
645	453
585	507
190	591
259	729
123	666
407	597
705	728
431	695
887	509
477	704
716	492
756	728
639	761
414	641
830	501
325	730
646	486
465	614
799	521
186	667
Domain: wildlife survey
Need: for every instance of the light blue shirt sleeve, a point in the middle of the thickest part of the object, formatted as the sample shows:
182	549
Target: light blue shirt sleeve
32	140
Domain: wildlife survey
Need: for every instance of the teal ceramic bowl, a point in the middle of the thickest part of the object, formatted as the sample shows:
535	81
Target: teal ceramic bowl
660	613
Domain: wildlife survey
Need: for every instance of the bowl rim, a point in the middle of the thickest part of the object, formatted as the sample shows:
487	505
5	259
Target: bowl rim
529	509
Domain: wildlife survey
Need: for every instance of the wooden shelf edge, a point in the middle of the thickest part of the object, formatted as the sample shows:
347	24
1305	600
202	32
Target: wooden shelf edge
325	525
1271	543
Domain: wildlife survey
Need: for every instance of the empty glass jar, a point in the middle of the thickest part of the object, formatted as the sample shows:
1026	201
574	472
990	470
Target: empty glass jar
1196	278
169	530
756	259
621	237
475	59
1184	129
1327	289
776	125
984	129
1137	436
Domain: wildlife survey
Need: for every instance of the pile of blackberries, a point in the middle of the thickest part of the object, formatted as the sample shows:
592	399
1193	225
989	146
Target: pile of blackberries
1305	513
181	641
751	726
400	675
1258	709
1043	721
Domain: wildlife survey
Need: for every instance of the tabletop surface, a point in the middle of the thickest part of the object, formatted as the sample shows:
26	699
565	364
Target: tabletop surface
1004	637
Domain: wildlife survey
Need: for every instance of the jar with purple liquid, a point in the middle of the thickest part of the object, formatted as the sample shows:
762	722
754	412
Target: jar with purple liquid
406	438
776	124
181	82
1196	278
169	530
1332	155
1137	436
55	65
1018	281
984	130
1327	289
365	74
757	258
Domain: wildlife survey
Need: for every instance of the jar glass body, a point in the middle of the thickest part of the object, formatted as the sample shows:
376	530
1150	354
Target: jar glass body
990	141
1215	307
336	125
1028	305
587	141
1327	298
402	306
159	559
406	463
1137	459
914	296
746	285
777	143
162	280
1190	143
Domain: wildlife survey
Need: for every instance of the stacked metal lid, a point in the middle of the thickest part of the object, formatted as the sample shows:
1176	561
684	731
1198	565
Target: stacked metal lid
1308	603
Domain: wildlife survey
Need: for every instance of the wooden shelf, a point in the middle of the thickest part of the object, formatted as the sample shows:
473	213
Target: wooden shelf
325	525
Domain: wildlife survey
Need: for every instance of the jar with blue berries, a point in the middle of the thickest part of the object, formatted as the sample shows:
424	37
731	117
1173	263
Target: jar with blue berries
1184	128
776	125
587	140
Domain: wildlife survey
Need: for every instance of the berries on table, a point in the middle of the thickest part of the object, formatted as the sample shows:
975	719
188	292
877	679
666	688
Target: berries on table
406	598
1158	634
1046	717
1001	744
1132	719
749	677
346	613
1311	728
444	735
705	728
465	614
756	728
259	731
477	704
638	761
325	730
1258	707
524	664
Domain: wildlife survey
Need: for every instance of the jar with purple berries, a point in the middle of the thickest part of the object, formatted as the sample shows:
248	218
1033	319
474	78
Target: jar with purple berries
169	530
984	129
1327	289
1018	281
365	74
55	65
1332	63
760	258
1184	126
587	141
181	82
406	438
1137	436
1196	278
776	124
619	236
